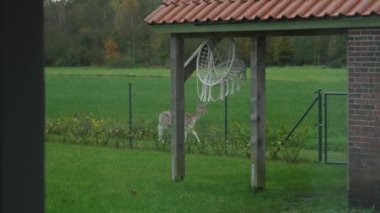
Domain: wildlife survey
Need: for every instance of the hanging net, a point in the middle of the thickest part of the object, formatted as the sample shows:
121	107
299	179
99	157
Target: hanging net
217	69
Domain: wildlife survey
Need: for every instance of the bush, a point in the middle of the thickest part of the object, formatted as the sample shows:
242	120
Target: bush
239	139
274	142
120	62
291	148
214	140
84	128
278	148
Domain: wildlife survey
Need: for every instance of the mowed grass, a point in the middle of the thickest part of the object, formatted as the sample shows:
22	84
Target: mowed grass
96	179
104	92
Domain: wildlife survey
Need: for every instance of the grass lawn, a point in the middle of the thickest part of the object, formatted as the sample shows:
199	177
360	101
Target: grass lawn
104	92
96	179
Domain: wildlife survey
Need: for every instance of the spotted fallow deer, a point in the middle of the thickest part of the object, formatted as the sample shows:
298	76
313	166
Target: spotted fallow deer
165	121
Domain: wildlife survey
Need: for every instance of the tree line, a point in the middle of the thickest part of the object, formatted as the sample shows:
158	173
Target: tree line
113	33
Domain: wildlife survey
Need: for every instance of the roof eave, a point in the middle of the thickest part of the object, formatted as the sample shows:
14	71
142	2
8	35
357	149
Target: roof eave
271	26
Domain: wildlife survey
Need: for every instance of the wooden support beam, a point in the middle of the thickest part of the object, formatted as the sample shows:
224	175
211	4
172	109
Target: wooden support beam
191	65
190	68
258	113
178	113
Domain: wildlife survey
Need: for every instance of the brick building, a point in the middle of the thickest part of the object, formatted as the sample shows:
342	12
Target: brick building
364	116
185	19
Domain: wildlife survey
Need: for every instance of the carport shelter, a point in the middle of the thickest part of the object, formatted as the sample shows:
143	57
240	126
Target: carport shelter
257	19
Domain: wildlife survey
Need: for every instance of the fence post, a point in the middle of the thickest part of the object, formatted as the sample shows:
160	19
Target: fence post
320	130
225	118
130	114
302	118
325	125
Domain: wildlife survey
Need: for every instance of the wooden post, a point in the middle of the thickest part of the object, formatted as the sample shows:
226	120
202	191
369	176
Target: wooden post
190	68
178	114
258	113
22	107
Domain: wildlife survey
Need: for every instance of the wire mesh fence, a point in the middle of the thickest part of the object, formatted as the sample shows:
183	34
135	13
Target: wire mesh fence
335	124
120	110
225	128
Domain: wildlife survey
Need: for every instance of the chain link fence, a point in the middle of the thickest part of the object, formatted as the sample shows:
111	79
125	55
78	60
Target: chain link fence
225	128
335	123
122	111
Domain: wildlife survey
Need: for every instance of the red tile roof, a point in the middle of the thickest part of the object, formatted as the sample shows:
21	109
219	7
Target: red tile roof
201	11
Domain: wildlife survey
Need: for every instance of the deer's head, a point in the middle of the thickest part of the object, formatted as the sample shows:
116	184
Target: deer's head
201	108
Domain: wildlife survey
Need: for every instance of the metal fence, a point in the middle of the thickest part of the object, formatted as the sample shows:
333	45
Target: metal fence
335	127
324	117
331	125
134	103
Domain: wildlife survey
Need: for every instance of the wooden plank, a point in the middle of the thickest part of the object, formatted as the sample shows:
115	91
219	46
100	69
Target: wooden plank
192	65
190	68
258	113
177	98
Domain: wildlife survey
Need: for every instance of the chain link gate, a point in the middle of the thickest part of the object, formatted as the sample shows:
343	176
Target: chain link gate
330	123
332	126
335	127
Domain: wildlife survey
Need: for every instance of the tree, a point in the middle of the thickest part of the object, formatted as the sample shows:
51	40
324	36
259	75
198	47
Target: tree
303	50
111	49
79	33
336	51
283	52
127	26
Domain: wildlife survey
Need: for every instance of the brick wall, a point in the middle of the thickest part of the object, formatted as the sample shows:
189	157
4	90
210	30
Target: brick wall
364	118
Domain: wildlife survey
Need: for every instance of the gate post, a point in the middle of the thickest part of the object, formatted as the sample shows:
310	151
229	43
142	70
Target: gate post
320	130
130	136
325	123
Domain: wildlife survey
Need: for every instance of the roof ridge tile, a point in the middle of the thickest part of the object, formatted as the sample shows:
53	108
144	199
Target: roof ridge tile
176	2
202	11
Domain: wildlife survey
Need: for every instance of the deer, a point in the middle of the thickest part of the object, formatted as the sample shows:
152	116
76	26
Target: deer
165	121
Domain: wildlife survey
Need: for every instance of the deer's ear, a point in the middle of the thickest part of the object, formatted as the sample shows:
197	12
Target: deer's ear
203	104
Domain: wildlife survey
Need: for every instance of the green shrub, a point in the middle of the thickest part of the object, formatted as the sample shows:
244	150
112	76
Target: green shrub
58	127
278	148
84	128
214	141
239	139
274	142
292	147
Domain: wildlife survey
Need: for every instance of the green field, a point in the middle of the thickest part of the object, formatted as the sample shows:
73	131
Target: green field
95	179
104	93
105	179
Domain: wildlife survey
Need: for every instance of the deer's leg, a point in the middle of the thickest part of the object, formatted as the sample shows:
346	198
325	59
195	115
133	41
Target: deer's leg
196	136
160	131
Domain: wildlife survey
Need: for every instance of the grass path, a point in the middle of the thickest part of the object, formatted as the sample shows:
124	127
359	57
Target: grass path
95	179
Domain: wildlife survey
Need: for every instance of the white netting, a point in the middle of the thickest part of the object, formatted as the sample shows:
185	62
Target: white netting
217	66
